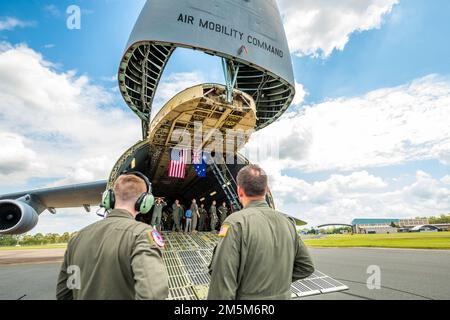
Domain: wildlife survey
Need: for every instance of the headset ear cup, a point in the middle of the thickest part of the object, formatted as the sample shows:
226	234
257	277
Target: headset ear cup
105	200
112	196
108	199
138	203
145	203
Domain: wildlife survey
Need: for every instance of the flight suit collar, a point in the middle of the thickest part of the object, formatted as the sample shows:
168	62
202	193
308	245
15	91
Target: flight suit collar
120	213
258	204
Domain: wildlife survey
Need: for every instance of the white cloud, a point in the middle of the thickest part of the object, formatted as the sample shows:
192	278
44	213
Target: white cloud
321	192
300	94
58	124
173	84
55	124
384	127
443	152
109	79
63	126
16	158
52	10
341	198
317	27
446	179
390	126
10	23
86	170
67	220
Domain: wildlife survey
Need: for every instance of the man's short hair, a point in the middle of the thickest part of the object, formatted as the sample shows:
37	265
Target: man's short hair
128	188
253	180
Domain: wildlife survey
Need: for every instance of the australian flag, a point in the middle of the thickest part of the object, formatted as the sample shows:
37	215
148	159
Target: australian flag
199	162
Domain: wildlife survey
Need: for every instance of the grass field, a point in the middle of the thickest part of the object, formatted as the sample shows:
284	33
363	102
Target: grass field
49	246
435	240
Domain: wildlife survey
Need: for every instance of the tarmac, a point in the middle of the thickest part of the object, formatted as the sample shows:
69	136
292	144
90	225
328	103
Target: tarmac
405	274
34	256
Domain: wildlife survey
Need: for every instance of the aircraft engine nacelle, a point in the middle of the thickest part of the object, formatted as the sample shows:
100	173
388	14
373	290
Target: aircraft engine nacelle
17	217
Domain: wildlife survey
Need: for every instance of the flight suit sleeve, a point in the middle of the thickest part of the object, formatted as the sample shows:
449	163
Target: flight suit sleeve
303	265
150	275
62	290
224	267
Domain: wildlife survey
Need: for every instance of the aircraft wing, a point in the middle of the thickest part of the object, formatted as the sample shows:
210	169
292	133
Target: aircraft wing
299	222
64	197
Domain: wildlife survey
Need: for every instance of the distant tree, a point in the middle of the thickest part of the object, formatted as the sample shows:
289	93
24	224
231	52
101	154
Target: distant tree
64	238
37	239
7	240
394	225
442	219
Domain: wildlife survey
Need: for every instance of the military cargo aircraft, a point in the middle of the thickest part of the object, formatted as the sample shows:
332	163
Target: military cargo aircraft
249	37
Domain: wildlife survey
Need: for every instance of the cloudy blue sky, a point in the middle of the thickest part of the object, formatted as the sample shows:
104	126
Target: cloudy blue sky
368	136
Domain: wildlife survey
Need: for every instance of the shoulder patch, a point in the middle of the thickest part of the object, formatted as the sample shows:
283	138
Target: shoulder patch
224	231
155	236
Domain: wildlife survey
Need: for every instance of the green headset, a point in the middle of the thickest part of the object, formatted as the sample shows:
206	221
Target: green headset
143	205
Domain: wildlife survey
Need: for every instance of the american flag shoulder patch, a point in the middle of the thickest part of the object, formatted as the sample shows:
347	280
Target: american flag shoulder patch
224	231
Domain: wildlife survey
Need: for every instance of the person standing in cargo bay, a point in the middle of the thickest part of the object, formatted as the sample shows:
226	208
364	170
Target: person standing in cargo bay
203	216
195	215
188	216
259	253
223	211
177	212
157	213
214	218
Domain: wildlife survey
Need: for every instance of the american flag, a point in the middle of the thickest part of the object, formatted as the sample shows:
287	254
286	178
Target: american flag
178	160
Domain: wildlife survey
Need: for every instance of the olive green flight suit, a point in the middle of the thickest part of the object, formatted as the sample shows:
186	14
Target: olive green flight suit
258	256
223	214
177	213
202	223
195	216
113	259
157	213
214	218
